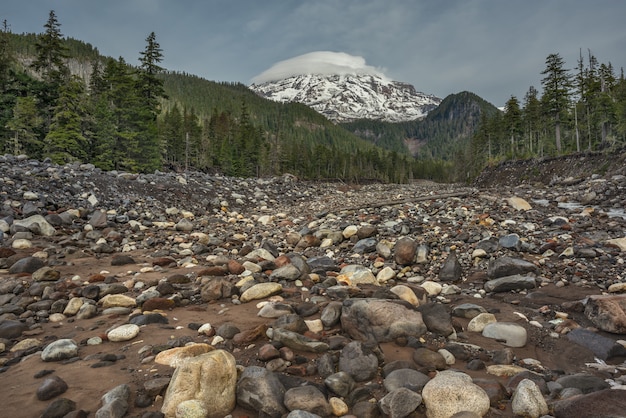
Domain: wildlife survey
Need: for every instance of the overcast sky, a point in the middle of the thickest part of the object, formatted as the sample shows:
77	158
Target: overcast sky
494	48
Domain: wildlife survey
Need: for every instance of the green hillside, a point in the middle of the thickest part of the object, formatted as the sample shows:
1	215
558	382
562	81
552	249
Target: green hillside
439	136
61	99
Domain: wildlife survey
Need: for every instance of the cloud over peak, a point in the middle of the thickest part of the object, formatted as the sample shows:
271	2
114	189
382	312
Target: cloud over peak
318	62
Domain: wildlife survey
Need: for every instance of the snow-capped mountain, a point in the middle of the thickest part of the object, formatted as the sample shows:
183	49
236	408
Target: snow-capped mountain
346	97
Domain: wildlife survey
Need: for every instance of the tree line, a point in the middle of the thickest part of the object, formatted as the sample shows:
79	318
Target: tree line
579	110
145	118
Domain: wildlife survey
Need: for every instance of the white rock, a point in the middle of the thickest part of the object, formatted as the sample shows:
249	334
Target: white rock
450	392
123	333
528	401
432	288
512	334
480	321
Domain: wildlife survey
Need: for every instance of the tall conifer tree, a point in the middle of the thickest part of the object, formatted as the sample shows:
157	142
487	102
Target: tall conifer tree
556	92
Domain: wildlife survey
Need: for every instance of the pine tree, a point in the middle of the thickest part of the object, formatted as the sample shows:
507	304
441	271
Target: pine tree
65	141
557	86
532	119
513	123
149	90
25	124
50	63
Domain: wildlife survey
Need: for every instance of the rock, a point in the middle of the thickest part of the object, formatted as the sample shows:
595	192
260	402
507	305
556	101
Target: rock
51	388
184	225
27	265
429	359
39	222
59	408
355	274
340	383
114	402
507	266
297	341
528	401
400	402
122	260
260	291
331	314
405	293
156	386
307	398
603	403
508	283
175	356
60	350
509	334
451	270
607	312
123	333
287	272
380	321
510	241
98	219
209	378
518	203
191	408
11	329
365	245
467	310
118	301
618	242
450	392
479	322
436	318
260	390
46	274
357	361
602	347
404	251
405	378
587	383
338	407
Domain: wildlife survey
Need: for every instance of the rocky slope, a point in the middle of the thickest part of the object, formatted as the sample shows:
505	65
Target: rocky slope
164	294
344	98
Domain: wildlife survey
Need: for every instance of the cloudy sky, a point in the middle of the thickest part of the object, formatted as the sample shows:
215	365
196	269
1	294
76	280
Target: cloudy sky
494	48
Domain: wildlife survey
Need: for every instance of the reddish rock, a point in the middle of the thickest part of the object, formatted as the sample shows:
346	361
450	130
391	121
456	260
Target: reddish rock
282	261
251	335
178	279
96	278
214	271
235	267
162	304
268	352
607	312
163	261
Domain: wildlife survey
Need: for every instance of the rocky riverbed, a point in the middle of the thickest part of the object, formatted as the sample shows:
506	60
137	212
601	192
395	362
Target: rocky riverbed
192	295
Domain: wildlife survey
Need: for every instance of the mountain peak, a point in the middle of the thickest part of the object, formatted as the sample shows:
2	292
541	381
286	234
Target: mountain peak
347	97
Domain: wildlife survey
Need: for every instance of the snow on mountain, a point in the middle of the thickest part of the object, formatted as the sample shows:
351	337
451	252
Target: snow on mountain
345	97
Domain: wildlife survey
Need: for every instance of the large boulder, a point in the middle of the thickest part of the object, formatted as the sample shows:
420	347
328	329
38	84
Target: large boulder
209	378
378	320
450	392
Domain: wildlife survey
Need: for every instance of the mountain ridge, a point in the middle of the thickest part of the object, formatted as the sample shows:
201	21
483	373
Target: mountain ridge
349	97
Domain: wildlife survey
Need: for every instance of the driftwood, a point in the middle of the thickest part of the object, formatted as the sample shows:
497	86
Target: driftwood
408	200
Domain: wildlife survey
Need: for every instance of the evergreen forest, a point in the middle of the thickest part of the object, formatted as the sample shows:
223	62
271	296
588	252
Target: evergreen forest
61	99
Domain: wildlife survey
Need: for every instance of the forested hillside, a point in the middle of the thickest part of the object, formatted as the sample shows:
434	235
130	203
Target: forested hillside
60	99
439	136
579	110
